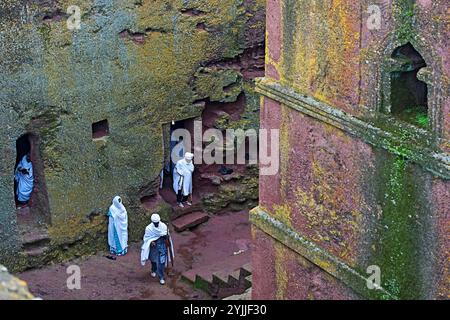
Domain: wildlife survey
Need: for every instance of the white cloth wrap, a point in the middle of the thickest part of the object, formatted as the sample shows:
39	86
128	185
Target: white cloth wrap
120	222
182	177
152	234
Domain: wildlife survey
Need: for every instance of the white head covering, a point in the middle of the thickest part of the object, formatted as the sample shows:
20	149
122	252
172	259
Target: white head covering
117	207
188	156
155	217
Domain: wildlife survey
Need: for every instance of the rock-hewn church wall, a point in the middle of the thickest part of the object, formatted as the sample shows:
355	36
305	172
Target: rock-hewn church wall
139	64
361	188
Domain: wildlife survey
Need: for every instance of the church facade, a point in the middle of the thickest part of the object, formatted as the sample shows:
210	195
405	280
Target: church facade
360	206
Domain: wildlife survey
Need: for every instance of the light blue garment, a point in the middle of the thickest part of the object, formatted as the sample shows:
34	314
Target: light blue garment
115	247
25	182
118	227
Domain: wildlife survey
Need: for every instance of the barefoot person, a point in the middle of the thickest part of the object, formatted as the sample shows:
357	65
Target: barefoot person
118	228
157	247
24	180
182	179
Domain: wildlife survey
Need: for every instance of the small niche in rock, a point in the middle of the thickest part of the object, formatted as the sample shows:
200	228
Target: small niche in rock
409	101
100	129
201	26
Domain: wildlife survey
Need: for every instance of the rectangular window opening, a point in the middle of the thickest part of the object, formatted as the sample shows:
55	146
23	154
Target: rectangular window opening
100	129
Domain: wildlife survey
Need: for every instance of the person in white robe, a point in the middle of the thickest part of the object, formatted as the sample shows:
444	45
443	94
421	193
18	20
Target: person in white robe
24	180
182	179
118	228
157	247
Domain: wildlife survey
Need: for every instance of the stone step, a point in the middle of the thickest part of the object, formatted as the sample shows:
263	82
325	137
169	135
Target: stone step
179	212
248	281
189	221
35	252
33	238
189	276
219	284
247	269
236	274
221	278
234	278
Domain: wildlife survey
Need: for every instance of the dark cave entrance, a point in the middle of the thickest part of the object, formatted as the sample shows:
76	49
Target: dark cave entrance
409	95
32	216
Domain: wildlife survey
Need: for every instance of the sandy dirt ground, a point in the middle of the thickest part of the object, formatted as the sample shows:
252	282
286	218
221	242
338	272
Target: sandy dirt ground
102	279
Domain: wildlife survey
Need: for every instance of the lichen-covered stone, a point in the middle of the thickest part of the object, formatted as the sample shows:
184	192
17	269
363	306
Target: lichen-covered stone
12	288
137	64
237	194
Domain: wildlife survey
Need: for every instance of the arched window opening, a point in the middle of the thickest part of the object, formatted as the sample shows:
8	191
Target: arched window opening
409	95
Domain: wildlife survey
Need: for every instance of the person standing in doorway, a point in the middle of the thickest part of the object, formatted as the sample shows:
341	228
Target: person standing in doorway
157	247
182	179
24	180
118	228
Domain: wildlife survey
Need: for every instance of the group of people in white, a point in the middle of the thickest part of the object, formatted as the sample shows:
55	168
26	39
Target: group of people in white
157	244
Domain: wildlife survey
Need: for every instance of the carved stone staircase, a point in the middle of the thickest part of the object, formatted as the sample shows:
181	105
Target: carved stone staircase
222	283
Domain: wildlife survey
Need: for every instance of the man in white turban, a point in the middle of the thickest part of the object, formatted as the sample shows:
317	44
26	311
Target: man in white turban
182	179
118	228
157	247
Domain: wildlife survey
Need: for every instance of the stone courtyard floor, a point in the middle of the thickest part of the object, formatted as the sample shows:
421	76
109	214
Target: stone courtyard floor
218	240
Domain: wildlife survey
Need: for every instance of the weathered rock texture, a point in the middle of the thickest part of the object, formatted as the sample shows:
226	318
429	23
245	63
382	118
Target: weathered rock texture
137	63
358	188
12	288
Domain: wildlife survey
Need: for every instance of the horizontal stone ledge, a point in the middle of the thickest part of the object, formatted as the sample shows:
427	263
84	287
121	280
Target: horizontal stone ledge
313	253
424	154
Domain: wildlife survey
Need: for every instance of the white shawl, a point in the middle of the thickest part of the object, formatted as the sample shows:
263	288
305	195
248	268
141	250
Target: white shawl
25	182
182	177
120	222
152	234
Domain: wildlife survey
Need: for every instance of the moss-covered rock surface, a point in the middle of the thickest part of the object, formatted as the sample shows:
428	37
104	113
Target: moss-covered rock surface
138	64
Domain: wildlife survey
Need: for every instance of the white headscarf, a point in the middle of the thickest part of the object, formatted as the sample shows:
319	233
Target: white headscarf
120	216
189	156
